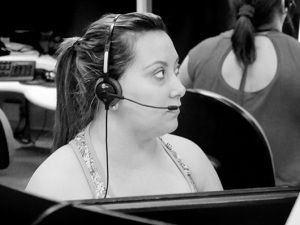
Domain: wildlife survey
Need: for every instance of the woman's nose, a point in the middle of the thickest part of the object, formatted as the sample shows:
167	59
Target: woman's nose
178	88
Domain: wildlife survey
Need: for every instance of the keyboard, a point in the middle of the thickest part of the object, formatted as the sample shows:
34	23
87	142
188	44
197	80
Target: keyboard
16	70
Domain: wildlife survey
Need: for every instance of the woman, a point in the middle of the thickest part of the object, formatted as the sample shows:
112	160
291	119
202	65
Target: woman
112	119
256	65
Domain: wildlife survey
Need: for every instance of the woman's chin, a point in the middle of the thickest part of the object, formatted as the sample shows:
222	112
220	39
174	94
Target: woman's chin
172	127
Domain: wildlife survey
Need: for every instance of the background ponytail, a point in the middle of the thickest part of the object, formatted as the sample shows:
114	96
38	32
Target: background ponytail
243	36
248	16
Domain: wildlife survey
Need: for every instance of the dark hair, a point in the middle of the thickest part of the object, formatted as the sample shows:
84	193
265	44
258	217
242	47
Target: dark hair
80	65
245	26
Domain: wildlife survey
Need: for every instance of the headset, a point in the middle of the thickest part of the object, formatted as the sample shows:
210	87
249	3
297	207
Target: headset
106	86
109	90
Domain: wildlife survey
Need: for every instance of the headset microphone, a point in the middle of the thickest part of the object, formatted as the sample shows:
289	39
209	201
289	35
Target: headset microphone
107	95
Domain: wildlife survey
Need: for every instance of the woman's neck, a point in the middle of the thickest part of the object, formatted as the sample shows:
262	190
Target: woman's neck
276	24
269	27
124	145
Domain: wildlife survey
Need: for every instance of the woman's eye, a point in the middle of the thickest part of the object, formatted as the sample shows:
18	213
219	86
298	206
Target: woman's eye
160	74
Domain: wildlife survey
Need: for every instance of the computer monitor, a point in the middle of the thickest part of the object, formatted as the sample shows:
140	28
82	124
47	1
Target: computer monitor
257	206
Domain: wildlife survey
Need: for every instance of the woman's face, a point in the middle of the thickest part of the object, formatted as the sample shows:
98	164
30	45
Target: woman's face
152	80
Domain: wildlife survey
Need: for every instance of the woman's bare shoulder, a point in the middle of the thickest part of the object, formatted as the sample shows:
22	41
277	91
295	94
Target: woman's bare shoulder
60	177
183	145
62	158
203	172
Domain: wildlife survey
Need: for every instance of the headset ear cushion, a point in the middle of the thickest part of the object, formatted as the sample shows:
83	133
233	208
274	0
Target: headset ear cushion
112	86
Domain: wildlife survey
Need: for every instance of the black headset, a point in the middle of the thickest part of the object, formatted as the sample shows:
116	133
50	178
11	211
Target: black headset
107	88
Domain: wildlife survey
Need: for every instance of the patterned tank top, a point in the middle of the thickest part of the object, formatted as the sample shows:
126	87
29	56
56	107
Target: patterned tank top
82	149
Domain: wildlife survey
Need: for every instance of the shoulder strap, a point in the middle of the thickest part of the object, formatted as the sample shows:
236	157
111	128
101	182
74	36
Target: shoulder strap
88	164
85	170
179	163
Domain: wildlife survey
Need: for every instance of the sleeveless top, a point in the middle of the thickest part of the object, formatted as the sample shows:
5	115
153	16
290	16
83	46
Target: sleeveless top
276	107
86	155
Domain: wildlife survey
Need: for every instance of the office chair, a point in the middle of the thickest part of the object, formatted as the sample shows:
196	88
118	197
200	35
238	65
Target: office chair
232	139
7	141
4	154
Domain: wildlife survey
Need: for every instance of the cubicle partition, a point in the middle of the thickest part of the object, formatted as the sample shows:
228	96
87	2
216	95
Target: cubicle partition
240	207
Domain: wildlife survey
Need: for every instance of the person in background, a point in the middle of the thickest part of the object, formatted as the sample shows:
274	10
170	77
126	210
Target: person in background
117	102
256	65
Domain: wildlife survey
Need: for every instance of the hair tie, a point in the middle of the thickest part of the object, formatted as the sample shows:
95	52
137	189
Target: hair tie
247	11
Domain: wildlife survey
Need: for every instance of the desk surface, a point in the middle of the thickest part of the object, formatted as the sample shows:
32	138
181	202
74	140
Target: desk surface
39	95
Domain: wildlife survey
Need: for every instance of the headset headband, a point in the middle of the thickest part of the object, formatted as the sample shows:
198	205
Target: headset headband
107	49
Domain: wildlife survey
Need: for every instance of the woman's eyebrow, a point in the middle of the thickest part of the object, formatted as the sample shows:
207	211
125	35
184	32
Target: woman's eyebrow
161	62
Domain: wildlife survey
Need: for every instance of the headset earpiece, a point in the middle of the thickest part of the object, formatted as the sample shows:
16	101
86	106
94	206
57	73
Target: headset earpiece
104	88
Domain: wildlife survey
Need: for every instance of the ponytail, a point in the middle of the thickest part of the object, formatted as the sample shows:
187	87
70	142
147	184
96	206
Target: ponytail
243	36
66	84
243	44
